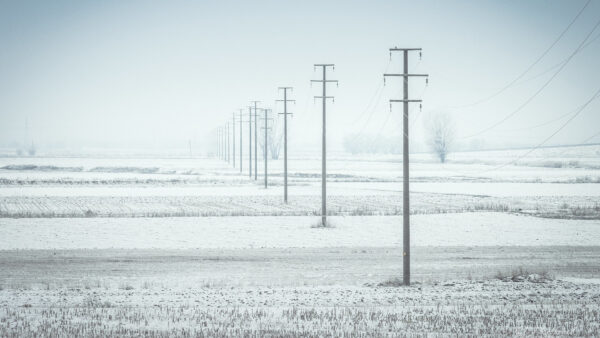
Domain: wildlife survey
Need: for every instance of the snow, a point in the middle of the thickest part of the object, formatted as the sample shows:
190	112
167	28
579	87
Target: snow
120	242
469	229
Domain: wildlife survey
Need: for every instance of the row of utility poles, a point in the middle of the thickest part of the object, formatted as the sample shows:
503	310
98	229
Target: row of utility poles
226	150
223	135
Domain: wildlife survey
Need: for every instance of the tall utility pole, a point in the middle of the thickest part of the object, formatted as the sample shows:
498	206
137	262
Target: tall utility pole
285	114
233	137
324	98
405	159
255	140
250	141
241	163
266	152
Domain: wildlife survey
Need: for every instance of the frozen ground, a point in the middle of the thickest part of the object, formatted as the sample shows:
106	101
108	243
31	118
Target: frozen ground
300	292
177	246
468	229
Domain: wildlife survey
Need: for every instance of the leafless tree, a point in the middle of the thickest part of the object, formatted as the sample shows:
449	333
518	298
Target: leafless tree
440	128
274	140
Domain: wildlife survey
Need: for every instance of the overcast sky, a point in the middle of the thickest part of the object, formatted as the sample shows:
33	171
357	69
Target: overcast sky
160	73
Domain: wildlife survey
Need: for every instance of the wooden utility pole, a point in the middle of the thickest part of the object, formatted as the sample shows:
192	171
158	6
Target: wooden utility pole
405	163
285	114
324	98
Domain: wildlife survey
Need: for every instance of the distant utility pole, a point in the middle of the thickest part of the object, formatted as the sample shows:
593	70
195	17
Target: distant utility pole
250	141
221	153
266	128
241	163
255	140
405	159
324	98
223	131
233	137
285	114
227	141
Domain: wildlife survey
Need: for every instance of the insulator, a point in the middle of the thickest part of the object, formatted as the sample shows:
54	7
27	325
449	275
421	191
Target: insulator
384	80
390	107
390	55
420	107
427	81
420	55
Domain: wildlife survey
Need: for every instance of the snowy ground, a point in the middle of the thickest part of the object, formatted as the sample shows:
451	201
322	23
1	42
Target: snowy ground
175	246
459	229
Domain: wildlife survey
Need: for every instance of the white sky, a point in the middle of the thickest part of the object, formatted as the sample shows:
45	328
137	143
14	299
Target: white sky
157	74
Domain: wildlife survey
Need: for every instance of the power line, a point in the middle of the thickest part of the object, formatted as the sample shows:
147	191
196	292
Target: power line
554	133
539	125
538	91
510	84
539	145
377	91
377	103
557	64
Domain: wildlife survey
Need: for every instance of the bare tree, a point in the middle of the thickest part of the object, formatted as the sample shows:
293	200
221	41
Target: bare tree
275	139
441	135
275	142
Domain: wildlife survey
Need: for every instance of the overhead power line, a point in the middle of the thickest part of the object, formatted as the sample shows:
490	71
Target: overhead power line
514	81
541	144
524	104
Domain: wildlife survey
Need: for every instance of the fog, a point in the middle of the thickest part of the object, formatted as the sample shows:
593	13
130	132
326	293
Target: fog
161	75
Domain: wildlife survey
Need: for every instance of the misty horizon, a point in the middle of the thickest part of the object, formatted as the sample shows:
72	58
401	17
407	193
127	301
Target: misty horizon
143	75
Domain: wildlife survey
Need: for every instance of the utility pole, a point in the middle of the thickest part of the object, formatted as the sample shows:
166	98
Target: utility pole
233	138
285	114
405	159
266	128
241	163
255	140
227	141
324	98
223	143
222	154
250	141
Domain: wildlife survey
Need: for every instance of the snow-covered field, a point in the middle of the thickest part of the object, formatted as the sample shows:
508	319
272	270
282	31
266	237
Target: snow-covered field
175	246
458	229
